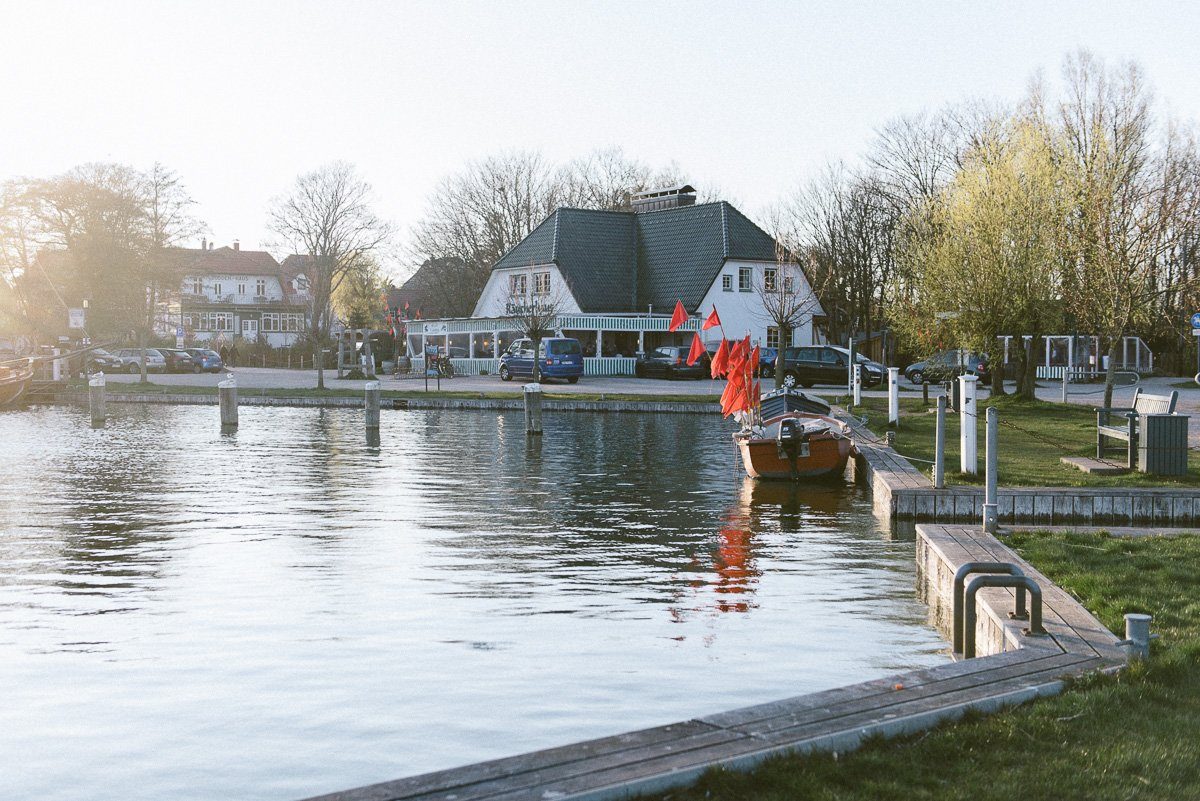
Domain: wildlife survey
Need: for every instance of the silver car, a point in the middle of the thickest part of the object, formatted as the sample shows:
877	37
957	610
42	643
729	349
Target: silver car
131	360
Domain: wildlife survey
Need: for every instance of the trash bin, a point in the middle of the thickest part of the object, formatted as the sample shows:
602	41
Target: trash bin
1163	444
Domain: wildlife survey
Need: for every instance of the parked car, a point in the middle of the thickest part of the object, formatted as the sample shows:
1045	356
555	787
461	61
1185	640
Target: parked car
131	360
826	364
947	365
766	362
558	357
205	360
670	361
99	360
178	361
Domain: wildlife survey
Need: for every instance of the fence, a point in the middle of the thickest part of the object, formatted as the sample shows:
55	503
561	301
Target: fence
592	365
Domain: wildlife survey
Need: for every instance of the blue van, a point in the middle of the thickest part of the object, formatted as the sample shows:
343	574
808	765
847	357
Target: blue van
559	357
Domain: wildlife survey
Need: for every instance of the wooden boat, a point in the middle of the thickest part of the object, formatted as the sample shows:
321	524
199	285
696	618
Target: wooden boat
14	380
786	400
795	446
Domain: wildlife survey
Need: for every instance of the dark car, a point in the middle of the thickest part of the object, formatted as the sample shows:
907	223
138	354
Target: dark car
947	365
809	365
178	361
670	361
98	360
205	360
766	361
558	357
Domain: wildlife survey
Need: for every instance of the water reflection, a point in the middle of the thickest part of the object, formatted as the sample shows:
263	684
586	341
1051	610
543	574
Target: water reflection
299	600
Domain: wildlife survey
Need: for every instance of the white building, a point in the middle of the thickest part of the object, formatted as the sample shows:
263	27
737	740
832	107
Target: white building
615	278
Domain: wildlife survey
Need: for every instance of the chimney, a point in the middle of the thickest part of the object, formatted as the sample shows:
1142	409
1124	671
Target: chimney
237	245
671	197
204	243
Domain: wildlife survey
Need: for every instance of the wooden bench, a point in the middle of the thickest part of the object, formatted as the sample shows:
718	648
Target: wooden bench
1129	429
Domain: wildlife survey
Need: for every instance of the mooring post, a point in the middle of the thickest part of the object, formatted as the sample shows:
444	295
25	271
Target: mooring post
894	397
939	445
968	456
992	464
227	393
96	399
1066	378
850	372
1137	635
371	403
56	370
533	408
925	393
857	382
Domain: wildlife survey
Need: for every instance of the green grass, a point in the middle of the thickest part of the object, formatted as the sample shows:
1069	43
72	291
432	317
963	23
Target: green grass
1134	736
1029	452
1189	384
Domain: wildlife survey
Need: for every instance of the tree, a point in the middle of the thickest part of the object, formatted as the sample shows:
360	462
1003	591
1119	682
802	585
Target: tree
787	302
533	307
328	217
359	299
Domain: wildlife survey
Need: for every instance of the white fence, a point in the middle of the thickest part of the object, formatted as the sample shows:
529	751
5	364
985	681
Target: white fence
592	365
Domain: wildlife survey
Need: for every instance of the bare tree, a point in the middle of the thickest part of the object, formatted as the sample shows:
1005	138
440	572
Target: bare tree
328	217
787	302
533	307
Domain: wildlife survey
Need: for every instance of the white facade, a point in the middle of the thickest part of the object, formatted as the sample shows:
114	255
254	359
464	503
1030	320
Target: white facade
234	288
740	307
500	290
220	307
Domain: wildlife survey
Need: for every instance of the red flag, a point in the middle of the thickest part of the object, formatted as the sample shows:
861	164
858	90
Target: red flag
737	355
678	317
754	357
712	321
733	399
720	360
697	349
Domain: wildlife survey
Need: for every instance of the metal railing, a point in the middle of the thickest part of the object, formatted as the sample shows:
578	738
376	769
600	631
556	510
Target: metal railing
996	574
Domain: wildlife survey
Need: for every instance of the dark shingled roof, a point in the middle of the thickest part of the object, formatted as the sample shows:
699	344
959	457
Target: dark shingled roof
623	262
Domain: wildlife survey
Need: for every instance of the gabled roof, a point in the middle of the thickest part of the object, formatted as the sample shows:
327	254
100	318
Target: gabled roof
624	261
227	261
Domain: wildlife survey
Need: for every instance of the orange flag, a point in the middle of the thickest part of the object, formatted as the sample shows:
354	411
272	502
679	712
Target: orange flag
720	362
734	397
712	321
754	357
678	317
697	349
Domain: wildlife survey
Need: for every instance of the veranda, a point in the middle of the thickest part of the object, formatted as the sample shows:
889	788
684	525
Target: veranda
1086	356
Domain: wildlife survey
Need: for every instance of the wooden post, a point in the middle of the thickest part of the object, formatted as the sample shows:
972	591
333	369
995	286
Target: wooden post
1066	378
990	516
341	354
227	392
939	445
925	393
533	408
56	371
968	455
371	402
894	396
96	399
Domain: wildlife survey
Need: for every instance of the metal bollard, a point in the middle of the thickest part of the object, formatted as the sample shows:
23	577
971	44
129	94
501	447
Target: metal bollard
939	445
371	403
992	463
1137	635
857	385
894	396
96	399
227	393
533	408
967	438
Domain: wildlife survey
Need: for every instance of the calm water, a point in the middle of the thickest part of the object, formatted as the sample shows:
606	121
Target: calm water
290	610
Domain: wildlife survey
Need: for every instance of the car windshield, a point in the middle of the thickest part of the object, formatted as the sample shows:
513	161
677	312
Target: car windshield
565	347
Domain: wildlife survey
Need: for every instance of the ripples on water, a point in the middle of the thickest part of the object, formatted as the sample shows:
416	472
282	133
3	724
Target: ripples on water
290	609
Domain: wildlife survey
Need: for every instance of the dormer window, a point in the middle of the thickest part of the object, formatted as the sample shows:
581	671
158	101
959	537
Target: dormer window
260	288
541	283
516	285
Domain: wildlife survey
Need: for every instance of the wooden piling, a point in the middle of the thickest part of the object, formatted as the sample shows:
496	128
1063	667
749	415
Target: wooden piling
227	392
96	399
371	403
533	408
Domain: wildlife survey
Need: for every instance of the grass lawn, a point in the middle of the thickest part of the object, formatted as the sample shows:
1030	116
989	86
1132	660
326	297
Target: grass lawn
1029	453
1189	384
1133	736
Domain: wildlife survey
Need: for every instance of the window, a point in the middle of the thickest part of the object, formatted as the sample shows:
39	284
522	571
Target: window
745	274
270	322
260	288
188	321
789	284
293	322
516	285
807	354
829	356
772	337
241	289
217	289
769	279
215	321
727	283
565	347
541	283
197	286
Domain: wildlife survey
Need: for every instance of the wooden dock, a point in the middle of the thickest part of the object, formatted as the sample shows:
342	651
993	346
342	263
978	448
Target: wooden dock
1018	668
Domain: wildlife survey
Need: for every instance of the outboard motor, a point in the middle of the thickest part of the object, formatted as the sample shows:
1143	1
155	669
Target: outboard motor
790	441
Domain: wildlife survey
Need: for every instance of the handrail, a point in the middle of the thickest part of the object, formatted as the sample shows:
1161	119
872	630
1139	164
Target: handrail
970	614
960	580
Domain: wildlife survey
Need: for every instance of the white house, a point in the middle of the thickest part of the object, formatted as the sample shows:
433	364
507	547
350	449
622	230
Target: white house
615	277
228	293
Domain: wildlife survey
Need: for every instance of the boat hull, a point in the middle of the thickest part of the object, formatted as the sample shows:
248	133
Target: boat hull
13	383
826	454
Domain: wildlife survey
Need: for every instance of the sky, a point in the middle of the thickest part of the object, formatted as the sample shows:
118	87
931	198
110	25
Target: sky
753	97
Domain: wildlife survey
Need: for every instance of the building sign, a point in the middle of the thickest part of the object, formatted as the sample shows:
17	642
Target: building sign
519	308
75	318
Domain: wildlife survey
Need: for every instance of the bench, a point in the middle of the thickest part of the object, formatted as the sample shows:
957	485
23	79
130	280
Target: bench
1129	428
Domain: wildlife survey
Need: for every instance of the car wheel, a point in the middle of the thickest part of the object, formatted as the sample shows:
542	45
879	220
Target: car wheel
574	379
917	377
505	375
790	379
197	368
767	372
133	369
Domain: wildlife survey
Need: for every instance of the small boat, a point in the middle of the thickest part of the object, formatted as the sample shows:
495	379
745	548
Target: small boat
801	442
14	380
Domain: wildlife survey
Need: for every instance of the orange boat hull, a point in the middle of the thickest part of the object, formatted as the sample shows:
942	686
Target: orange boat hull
761	457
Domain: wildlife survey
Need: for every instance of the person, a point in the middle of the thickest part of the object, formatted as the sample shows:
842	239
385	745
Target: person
225	355
233	355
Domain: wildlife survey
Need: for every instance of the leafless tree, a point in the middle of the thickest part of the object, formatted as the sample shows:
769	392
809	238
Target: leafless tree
328	217
533	307
787	302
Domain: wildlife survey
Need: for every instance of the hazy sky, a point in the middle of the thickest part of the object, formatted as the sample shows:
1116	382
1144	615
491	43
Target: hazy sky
240	97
